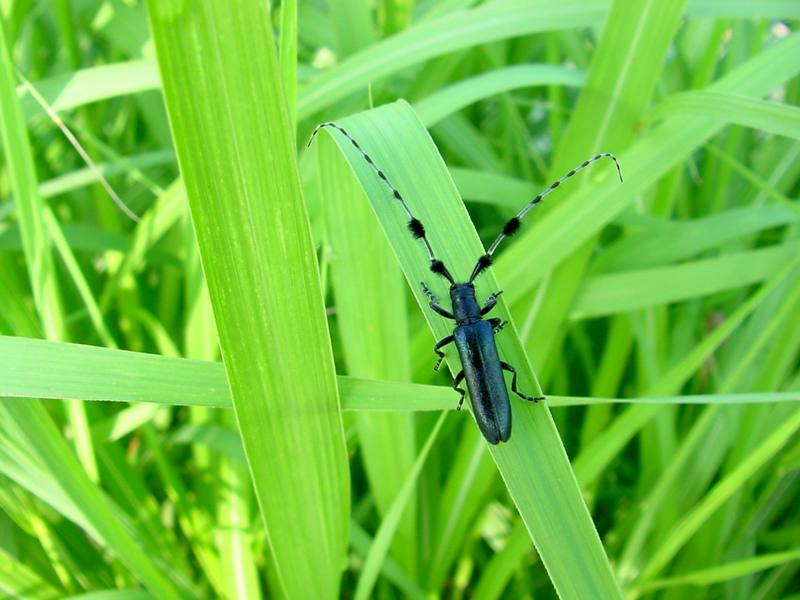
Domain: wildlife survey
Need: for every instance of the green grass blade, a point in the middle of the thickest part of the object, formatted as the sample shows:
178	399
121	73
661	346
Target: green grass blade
721	573
288	57
555	235
683	239
383	538
451	99
718	494
77	372
17	580
91	373
771	117
93	84
33	453
591	461
30	207
435	37
533	464
229	119
35	240
493	188
621	79
768	9
632	290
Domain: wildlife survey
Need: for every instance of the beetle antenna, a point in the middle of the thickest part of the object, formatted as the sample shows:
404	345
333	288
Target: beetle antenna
414	225
513	225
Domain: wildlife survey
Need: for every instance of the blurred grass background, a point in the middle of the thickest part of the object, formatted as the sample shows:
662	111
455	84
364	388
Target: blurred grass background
682	285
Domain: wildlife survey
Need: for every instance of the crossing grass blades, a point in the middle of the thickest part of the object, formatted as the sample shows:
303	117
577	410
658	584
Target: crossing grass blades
473	335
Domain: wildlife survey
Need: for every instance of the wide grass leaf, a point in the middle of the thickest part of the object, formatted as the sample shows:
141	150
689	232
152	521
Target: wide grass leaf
235	146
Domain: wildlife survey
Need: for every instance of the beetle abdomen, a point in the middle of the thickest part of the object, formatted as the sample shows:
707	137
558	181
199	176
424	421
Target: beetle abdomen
484	377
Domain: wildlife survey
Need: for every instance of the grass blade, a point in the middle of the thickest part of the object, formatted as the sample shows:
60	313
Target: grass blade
533	464
230	122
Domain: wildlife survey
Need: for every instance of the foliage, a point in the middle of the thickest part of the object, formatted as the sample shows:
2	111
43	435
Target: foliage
662	316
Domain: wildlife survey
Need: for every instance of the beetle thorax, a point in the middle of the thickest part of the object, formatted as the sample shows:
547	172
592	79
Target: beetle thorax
465	304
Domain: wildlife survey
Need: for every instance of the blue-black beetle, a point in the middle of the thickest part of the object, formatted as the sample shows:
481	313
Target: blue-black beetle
473	335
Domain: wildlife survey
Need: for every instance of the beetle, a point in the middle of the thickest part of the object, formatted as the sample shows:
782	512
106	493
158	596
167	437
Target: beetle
473	336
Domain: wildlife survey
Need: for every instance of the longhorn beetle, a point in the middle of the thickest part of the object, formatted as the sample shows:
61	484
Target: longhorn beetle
473	336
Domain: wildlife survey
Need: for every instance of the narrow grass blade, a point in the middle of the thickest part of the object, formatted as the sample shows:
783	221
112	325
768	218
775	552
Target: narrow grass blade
435	37
493	188
17	580
771	117
389	524
683	239
556	234
91	373
224	95
30	207
77	372
288	57
93	84
620	82
34	455
720	573
591	461
718	495
632	290
453	98
35	240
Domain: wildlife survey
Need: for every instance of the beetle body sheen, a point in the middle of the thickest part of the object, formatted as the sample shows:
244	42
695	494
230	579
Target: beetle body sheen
474	340
484	377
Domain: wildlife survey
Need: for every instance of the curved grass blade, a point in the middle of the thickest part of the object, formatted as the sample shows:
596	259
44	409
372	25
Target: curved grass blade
766	115
386	531
450	32
93	84
451	99
533	464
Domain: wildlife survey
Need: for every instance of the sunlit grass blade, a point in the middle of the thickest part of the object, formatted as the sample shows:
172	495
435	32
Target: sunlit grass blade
718	494
632	290
35	239
66	92
100	374
380	545
675	241
591	461
533	464
19	581
439	36
35	456
229	119
556	234
91	373
604	120
449	100
771	117
720	573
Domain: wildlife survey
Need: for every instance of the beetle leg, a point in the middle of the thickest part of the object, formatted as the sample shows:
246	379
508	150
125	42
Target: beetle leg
434	302
497	324
513	371
437	349
459	378
491	302
439	310
431	296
